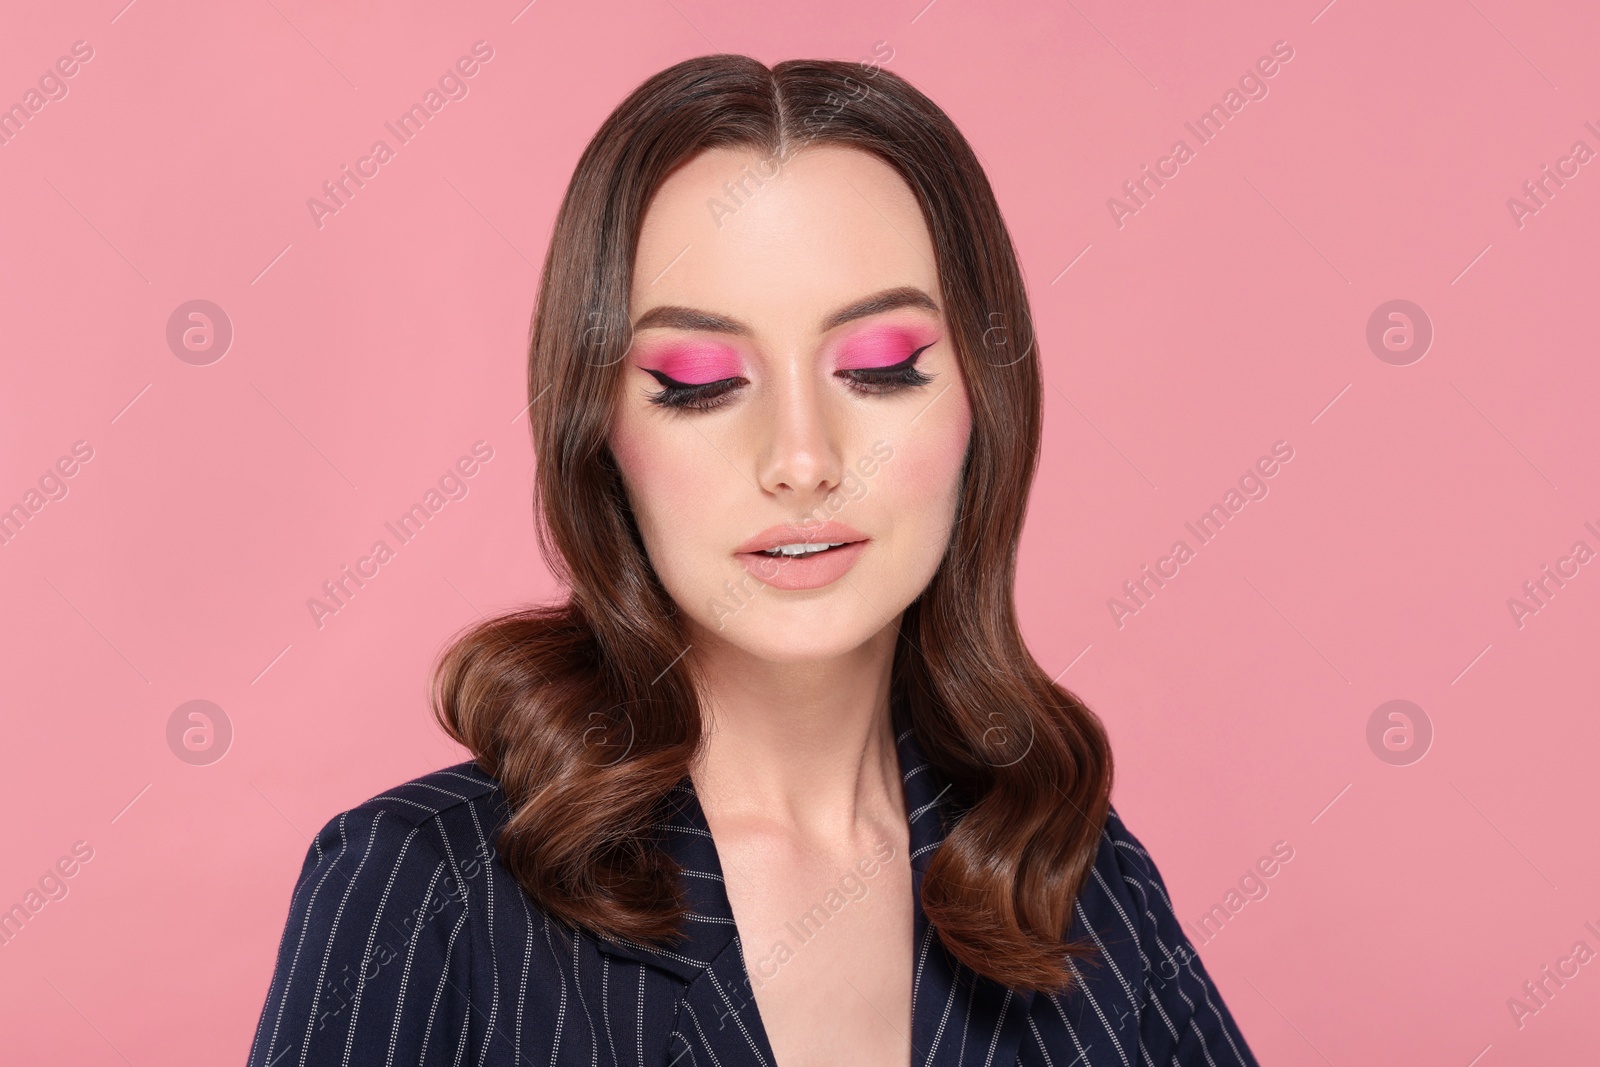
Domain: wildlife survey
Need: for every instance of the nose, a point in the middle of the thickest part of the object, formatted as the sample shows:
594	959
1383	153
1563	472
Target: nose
800	456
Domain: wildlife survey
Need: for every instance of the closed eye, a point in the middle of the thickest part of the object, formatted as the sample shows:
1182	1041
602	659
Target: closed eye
868	380
700	397
902	375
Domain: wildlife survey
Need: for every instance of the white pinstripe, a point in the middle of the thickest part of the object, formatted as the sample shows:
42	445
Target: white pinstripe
640	1031
494	951
712	974
1077	906
944	1016
1072	1033
522	989
322	974
1038	1041
1095	1004
704	1044
999	1025
605	1006
283	998
444	977
372	936
561	1013
405	976
583	1002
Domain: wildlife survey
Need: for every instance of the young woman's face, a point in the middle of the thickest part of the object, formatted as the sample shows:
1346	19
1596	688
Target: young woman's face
791	380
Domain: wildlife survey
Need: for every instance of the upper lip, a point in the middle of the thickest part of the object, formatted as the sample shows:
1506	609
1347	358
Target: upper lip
826	533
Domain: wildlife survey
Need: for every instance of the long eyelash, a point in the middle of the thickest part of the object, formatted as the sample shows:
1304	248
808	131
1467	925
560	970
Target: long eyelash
902	375
702	397
868	380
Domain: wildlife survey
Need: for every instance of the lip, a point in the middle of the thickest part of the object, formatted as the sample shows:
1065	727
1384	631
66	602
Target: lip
791	534
802	572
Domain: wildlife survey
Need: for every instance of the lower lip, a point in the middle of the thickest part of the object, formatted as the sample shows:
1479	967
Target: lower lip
802	572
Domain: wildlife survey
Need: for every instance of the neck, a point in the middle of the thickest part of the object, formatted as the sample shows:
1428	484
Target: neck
804	748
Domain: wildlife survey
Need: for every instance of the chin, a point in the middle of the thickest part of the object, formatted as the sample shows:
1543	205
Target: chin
779	645
821	630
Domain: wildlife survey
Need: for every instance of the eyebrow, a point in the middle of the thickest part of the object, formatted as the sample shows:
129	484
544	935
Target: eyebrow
675	317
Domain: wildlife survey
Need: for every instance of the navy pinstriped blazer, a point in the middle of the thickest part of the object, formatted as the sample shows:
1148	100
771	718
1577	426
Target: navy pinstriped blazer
409	942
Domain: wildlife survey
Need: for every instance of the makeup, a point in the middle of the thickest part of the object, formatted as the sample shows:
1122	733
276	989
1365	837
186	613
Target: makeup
883	346
811	568
692	362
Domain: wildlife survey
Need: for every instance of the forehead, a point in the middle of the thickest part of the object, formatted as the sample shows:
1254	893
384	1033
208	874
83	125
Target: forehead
776	246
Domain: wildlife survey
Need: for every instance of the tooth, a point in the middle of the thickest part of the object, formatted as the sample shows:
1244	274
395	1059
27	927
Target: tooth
802	549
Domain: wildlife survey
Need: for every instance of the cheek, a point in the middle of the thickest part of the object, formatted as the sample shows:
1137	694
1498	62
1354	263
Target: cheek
645	467
941	454
926	476
665	482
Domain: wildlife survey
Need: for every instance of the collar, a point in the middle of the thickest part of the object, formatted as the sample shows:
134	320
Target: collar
708	957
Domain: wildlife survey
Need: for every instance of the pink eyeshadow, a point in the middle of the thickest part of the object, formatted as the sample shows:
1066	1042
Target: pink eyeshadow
693	364
882	347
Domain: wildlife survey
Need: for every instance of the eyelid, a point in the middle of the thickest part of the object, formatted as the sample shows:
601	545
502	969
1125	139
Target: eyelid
672	383
691	362
679	397
883	346
891	368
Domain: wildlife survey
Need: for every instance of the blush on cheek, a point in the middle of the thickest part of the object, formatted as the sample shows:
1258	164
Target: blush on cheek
637	456
931	458
692	364
662	472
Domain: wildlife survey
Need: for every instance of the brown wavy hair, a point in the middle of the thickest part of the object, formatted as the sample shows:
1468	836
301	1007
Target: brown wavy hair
586	711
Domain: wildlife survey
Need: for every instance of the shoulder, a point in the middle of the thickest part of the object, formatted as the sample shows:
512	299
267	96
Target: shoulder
1125	886
431	796
1125	909
1128	855
417	832
1118	892
422	807
379	943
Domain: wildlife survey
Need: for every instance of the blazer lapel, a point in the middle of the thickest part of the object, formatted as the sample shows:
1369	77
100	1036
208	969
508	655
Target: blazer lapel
717	1013
957	1017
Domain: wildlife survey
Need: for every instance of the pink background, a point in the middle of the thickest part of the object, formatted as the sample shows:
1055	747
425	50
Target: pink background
1228	313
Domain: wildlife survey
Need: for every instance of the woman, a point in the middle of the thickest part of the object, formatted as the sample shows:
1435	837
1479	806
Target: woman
779	784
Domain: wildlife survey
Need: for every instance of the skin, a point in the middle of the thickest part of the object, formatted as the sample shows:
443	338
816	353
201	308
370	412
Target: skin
799	776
